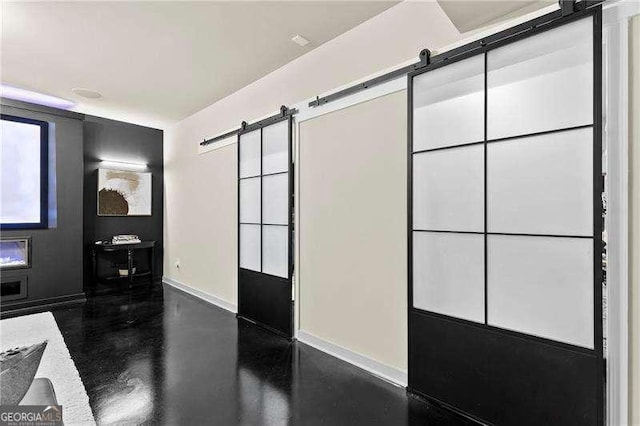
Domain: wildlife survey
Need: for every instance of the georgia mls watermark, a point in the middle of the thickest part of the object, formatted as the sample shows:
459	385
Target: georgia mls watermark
30	415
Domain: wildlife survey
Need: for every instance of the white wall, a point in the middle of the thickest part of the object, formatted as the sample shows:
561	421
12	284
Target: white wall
200	216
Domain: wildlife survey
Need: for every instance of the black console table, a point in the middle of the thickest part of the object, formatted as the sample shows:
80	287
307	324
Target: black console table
130	249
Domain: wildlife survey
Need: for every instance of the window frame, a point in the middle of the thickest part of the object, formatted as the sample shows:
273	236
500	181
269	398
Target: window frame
44	174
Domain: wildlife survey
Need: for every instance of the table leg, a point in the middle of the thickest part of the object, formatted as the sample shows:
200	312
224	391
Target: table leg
130	267
94	270
131	318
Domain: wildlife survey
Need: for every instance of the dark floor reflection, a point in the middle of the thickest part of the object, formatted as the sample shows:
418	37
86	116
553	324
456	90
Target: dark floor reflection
183	361
117	345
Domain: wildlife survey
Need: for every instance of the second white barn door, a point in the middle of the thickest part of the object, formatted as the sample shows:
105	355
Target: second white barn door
352	226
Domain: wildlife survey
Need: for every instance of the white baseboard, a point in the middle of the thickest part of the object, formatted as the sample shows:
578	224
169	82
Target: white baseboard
214	300
390	374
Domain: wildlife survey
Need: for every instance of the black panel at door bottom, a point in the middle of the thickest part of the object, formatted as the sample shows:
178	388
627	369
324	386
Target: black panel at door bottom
502	379
262	298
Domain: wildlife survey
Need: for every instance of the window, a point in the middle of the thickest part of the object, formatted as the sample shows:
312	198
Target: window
23	173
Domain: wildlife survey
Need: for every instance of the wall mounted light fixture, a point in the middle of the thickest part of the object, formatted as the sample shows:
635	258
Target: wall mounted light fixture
108	164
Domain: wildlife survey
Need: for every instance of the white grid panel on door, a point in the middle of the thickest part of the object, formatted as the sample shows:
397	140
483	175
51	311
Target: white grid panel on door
503	214
541	83
250	247
264	199
275	250
275	148
448	189
275	199
249	154
441	285
451	94
542	286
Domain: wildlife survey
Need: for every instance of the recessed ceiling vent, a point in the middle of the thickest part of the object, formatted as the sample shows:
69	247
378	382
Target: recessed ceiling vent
86	93
298	39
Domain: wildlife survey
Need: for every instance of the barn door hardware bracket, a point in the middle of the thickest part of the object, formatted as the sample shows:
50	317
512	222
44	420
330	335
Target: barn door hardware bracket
425	58
567	7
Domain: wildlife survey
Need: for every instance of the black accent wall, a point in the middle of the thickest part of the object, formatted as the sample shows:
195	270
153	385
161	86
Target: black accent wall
117	141
60	271
56	273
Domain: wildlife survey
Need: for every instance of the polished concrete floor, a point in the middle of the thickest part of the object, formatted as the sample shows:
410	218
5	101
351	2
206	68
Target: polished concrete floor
168	358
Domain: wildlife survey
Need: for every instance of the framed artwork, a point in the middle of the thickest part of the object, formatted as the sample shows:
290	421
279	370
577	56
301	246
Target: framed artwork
124	193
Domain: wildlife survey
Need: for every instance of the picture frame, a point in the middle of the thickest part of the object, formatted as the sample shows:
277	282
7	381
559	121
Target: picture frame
124	193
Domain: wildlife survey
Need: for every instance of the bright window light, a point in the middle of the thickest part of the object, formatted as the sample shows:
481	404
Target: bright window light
23	173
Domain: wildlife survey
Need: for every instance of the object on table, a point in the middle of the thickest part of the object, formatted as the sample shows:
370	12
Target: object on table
124	272
125	239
